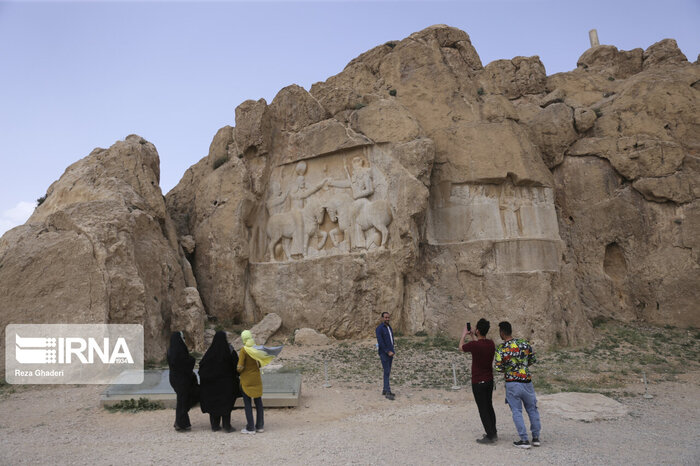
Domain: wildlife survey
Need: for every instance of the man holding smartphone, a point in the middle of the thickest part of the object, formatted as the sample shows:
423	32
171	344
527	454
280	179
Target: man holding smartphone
482	351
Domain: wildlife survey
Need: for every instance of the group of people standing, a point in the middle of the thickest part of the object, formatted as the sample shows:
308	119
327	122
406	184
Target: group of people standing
513	357
224	375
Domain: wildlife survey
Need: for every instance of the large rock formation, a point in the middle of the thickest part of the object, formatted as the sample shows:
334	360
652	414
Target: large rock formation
628	187
420	182
102	249
416	181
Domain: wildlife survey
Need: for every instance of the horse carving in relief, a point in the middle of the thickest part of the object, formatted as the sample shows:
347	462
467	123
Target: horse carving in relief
283	226
356	217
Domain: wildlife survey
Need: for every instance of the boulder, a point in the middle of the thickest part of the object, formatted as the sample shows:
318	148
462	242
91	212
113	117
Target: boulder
556	96
514	78
586	407
187	243
553	131
584	119
294	108
252	133
608	60
663	53
191	320
261	331
310	337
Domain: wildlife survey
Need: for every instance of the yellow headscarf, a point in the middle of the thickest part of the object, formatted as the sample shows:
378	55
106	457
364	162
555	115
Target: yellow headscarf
259	355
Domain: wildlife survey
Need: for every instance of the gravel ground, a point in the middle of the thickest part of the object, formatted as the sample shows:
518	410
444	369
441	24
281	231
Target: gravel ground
346	425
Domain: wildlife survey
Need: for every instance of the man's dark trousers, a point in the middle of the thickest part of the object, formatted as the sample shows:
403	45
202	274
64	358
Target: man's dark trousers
483	395
386	365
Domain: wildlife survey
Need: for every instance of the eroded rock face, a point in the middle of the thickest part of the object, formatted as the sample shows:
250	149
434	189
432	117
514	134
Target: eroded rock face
406	183
419	182
627	191
102	249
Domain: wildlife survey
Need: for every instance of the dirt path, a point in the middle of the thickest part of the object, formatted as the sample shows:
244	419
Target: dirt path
342	425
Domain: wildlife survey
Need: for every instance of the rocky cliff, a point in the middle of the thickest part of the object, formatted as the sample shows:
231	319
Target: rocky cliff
416	181
420	182
102	249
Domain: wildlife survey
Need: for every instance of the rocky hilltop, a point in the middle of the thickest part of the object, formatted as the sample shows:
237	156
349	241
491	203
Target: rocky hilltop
416	181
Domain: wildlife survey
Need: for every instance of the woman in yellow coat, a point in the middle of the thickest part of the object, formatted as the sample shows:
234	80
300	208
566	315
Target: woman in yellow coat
250	360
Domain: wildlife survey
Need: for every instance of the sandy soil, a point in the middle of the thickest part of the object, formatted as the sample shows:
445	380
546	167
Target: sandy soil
346	425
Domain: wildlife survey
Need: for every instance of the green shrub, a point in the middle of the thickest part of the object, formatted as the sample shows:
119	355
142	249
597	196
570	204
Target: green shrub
40	200
392	92
480	91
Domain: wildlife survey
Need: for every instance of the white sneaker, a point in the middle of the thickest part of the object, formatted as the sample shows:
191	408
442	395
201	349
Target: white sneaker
246	431
259	431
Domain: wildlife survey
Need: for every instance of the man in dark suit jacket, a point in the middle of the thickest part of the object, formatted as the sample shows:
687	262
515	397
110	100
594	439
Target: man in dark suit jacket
385	343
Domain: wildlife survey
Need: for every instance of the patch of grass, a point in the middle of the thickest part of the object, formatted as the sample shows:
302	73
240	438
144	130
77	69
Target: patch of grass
542	385
133	406
616	356
480	91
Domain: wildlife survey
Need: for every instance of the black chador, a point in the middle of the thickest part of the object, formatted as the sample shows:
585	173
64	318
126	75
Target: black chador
219	381
182	379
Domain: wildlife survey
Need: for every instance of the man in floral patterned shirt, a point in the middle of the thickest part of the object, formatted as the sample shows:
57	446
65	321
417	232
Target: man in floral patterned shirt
513	358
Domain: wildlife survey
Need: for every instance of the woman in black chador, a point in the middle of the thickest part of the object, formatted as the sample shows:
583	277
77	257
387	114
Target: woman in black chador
182	379
219	382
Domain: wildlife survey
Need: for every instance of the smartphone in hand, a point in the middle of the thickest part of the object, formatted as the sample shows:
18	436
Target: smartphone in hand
469	326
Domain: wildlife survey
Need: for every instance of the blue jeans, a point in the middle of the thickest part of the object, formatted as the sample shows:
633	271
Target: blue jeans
386	365
517	395
248	407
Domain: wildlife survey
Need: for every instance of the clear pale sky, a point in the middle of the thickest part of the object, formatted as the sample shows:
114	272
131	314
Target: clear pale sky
80	75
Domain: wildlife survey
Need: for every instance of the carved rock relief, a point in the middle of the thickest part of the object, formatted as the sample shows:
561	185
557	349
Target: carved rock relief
329	205
521	221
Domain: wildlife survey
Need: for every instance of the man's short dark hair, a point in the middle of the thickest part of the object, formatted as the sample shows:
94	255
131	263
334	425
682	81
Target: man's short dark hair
384	313
483	326
506	328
